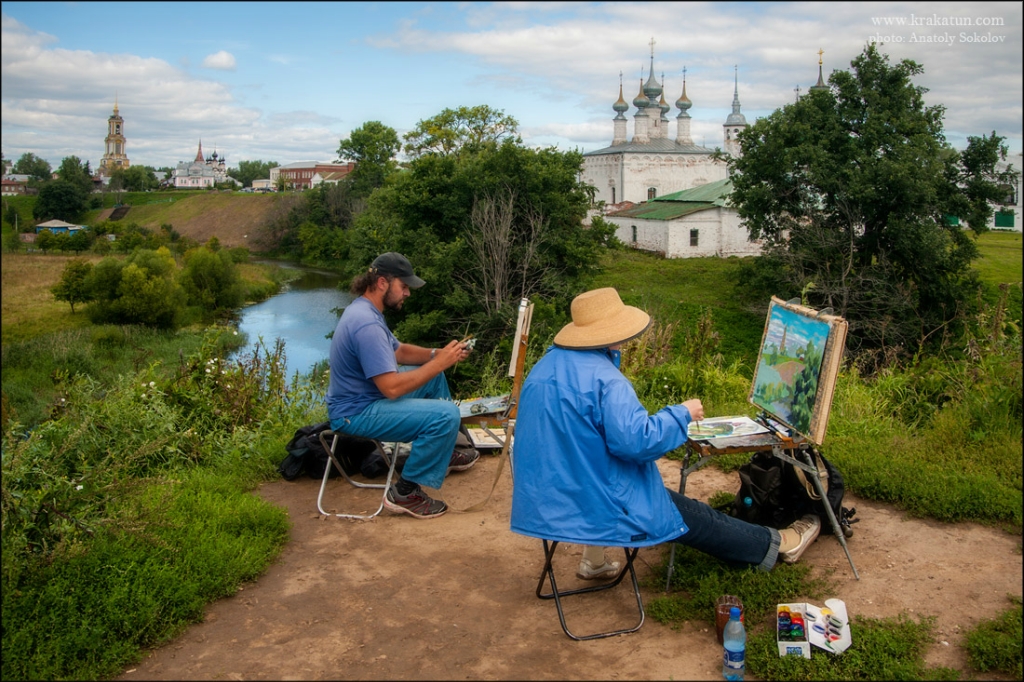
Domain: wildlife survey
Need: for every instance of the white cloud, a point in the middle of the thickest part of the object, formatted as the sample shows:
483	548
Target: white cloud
222	61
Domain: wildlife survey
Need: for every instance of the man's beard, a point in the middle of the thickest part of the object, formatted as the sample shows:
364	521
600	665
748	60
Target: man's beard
393	301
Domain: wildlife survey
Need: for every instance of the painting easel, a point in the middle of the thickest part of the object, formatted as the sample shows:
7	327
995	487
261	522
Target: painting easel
489	417
795	422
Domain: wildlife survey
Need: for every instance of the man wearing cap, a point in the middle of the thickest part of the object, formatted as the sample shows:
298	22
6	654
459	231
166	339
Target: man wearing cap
387	390
585	453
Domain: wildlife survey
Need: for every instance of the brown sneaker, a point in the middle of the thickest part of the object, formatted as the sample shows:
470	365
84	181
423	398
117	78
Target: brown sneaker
417	504
462	459
798	537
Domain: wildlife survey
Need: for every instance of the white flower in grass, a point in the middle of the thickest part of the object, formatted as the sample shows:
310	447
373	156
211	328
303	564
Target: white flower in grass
207	370
79	487
229	385
152	384
235	333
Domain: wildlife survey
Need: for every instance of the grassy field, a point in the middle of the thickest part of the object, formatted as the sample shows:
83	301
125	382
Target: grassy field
29	309
1000	257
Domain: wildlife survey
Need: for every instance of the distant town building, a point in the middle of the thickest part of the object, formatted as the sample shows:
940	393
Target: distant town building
202	173
15	184
58	226
1006	214
300	175
114	154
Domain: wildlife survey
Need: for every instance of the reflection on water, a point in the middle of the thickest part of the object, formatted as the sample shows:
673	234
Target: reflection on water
302	315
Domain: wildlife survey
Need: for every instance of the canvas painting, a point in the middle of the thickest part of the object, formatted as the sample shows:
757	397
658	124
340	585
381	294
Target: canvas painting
801	350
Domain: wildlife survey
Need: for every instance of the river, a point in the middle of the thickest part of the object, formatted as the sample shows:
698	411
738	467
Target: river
302	315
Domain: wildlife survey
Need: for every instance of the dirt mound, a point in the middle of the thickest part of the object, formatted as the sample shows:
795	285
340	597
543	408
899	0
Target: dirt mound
453	598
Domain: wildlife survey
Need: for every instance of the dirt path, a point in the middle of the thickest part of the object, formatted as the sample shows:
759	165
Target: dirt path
453	598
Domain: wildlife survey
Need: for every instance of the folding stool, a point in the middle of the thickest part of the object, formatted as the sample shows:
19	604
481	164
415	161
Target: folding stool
548	572
335	438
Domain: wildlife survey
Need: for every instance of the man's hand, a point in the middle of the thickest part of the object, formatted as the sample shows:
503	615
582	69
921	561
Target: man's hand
455	351
696	408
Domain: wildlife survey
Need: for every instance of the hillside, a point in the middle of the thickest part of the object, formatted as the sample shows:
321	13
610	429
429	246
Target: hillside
235	219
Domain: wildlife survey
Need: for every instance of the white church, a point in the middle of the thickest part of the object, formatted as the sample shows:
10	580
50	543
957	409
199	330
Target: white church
665	194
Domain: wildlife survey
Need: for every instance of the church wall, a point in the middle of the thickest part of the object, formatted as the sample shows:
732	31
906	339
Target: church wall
667	173
720	233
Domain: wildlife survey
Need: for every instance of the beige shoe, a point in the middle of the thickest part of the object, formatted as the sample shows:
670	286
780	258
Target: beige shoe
798	537
588	571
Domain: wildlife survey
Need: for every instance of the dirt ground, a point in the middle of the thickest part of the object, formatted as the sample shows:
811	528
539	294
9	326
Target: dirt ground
453	597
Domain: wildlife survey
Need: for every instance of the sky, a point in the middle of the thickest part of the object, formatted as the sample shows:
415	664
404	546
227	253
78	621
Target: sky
287	82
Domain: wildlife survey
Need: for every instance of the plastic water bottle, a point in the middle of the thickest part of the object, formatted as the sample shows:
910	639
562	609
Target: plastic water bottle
735	639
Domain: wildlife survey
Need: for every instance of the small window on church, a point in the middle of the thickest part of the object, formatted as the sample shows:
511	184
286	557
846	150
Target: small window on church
651	193
693	237
613	195
634	234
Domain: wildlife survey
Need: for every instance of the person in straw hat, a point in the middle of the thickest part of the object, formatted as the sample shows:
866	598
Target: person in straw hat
585	453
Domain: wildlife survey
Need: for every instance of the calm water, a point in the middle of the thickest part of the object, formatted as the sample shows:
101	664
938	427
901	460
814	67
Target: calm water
302	315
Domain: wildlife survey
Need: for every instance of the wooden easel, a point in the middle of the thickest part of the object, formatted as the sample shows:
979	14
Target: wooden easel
506	420
783	446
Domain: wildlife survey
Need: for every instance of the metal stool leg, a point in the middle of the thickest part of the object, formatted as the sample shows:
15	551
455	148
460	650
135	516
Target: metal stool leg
549	573
334	462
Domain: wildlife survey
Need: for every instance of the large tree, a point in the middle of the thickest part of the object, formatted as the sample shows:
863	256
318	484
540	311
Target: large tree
73	169
30	164
859	199
463	128
372	146
248	171
61	199
483	225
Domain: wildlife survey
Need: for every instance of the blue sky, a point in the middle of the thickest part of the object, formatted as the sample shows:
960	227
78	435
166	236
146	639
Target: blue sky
287	81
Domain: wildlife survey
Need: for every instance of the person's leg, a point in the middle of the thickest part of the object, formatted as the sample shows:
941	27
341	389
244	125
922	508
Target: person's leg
431	426
726	537
594	565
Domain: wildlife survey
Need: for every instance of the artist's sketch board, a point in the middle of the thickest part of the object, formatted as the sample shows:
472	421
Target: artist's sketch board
797	367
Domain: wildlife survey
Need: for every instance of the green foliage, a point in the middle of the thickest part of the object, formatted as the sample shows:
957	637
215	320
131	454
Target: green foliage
852	188
141	289
996	644
372	146
461	129
210	280
30	164
74	170
882	649
248	171
134	179
699	579
72	285
61	199
427	213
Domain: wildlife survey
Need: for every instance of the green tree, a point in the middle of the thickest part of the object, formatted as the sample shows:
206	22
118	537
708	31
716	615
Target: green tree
80	240
373	147
74	170
72	286
138	178
464	128
45	240
248	171
853	189
30	164
141	289
60	199
210	280
529	203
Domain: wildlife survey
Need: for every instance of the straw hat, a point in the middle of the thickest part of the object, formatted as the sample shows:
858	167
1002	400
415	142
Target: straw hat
600	319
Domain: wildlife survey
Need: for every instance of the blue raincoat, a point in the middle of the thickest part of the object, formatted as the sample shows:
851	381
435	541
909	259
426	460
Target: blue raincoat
585	451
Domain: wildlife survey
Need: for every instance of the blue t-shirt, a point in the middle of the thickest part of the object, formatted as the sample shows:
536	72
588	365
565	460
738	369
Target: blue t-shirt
363	347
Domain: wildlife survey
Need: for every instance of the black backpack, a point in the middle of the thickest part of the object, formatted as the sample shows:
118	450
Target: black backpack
775	493
306	453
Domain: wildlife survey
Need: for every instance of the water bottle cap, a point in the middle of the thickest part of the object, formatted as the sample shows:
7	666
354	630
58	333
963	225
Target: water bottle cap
734	612
748	502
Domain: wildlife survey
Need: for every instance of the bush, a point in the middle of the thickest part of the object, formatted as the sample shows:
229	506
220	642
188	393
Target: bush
995	644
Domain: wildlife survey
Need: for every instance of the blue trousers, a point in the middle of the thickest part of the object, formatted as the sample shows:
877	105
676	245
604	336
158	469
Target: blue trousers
725	537
427	418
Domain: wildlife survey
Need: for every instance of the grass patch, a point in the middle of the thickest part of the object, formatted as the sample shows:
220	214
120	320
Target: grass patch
29	309
995	645
1000	257
882	649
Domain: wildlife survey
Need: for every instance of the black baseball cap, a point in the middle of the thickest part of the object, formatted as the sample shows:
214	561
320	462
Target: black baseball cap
396	264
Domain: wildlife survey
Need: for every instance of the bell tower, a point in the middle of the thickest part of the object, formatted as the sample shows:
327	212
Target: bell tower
114	145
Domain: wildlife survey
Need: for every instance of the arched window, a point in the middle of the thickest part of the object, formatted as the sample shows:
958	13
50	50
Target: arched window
651	193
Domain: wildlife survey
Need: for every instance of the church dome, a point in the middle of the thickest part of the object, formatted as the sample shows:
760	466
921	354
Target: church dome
641	101
652	89
684	103
620	105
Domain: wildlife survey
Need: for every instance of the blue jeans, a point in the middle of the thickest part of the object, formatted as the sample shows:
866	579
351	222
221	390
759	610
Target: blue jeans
426	417
725	537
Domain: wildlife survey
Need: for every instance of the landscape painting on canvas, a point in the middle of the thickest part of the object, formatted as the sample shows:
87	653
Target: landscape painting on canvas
797	367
